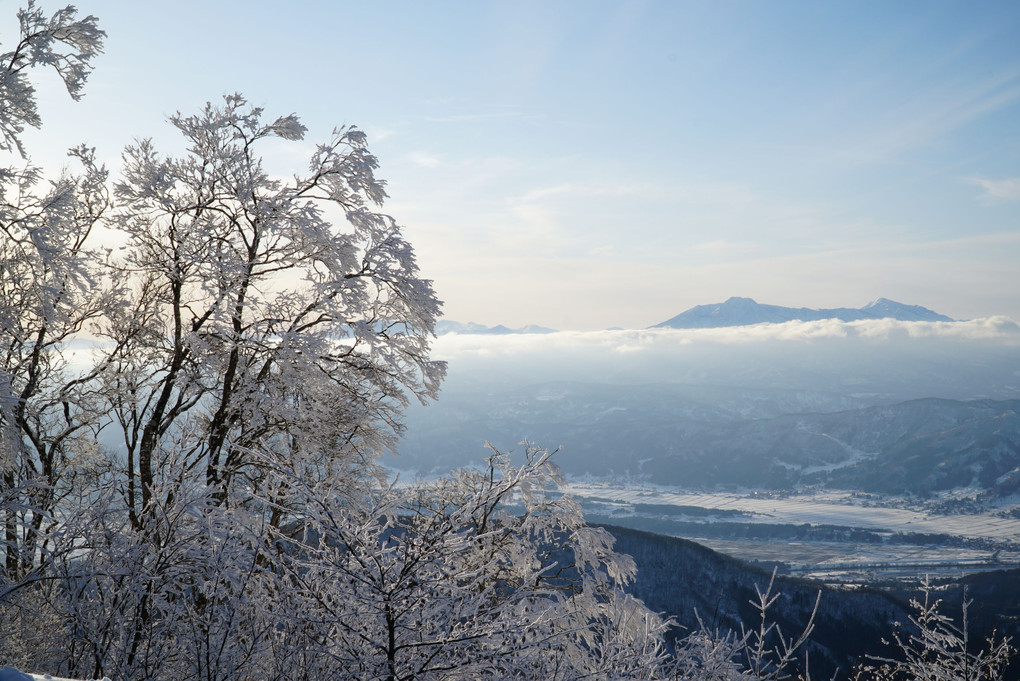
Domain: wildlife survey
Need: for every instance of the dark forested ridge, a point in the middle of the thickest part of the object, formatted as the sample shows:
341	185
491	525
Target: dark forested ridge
679	577
915	447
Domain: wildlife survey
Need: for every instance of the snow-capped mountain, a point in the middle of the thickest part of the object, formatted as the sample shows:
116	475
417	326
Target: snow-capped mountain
745	311
883	308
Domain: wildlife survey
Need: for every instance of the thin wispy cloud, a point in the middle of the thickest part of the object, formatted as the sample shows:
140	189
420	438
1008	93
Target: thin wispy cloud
1007	189
378	134
424	159
596	189
956	105
724	248
472	117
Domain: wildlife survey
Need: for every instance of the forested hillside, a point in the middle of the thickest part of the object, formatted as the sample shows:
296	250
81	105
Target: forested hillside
705	438
695	586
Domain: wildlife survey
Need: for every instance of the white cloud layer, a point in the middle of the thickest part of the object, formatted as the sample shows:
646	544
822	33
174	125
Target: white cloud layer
878	361
999	331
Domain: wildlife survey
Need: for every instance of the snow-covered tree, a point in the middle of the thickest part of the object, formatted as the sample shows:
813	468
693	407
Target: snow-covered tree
284	316
51	287
255	324
760	653
266	336
485	574
191	598
49	291
935	648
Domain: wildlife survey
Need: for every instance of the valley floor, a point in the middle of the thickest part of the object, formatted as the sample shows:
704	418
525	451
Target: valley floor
834	536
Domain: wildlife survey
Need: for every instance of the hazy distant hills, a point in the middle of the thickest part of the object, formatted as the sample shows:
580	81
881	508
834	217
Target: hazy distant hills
745	311
915	447
690	437
445	326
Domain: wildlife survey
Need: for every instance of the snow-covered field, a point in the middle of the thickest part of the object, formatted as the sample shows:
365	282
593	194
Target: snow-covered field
997	537
855	562
823	508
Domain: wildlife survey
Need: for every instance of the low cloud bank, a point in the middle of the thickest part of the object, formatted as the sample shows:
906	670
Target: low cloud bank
998	330
960	360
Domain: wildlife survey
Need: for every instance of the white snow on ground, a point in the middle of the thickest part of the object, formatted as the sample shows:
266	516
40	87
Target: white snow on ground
825	508
12	674
841	562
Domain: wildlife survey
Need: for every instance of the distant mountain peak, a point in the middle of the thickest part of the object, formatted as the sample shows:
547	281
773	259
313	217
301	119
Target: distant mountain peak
445	326
737	311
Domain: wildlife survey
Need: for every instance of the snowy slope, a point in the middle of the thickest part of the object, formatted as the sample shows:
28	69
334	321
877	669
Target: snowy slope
12	674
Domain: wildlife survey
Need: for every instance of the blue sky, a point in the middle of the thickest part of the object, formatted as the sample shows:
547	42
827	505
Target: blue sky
590	164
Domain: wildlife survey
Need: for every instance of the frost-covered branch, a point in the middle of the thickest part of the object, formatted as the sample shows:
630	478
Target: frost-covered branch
935	648
61	41
53	288
485	574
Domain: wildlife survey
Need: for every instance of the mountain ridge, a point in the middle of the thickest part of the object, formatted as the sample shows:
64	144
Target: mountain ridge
738	311
688	437
735	311
446	326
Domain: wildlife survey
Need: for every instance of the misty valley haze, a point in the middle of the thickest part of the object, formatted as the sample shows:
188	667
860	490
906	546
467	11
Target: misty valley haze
613	399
